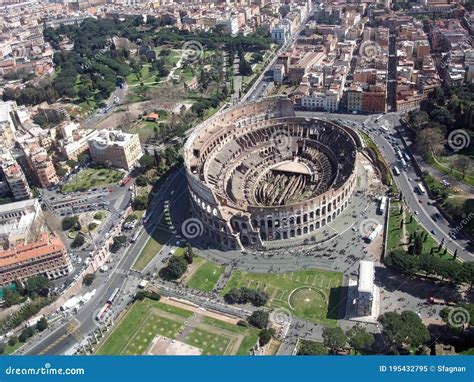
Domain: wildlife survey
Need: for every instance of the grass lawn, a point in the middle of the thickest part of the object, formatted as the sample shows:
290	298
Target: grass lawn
411	226
206	276
313	295
394	230
146	319
248	342
210	343
11	349
154	244
92	177
443	165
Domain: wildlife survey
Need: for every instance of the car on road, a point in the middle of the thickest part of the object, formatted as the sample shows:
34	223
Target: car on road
433	232
416	212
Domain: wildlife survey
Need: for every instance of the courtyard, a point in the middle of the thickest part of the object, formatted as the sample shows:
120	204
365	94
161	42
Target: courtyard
91	178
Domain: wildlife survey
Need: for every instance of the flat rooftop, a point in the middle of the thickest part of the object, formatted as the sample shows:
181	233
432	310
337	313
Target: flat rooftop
366	276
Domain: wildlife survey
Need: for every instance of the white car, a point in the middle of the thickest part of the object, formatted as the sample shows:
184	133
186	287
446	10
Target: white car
416	212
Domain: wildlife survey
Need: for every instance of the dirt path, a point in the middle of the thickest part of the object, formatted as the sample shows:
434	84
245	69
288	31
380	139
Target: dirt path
194	309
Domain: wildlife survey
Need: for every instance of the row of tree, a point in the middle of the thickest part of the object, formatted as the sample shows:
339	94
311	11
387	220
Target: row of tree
335	339
448	270
245	295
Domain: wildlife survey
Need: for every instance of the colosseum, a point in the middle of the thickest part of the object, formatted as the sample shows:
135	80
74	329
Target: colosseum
258	173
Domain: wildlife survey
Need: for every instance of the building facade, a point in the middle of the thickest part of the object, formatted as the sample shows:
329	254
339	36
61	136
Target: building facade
115	148
46	256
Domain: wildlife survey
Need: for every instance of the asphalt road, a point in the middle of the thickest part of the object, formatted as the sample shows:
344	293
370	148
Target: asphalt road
72	329
406	181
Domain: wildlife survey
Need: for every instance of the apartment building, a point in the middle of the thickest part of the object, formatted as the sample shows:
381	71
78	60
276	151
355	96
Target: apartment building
20	222
115	148
46	256
14	176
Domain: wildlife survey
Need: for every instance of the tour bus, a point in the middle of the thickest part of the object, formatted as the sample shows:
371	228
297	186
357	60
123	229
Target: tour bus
384	129
102	312
383	204
396	171
113	296
372	235
399	153
420	188
378	118
135	237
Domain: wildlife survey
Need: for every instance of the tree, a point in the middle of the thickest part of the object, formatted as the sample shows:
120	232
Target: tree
83	157
42	324
244	295
265	336
118	241
78	241
405	329
147	161
359	338
11	297
175	268
234	296
418	244
39	285
88	279
69	222
463	164
311	348
188	254
259	319
141	181
430	140
402	261
12	341
26	333
140	202
334	338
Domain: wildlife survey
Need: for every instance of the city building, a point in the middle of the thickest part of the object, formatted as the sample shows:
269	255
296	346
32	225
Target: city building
7	127
14	176
115	148
46	256
20	222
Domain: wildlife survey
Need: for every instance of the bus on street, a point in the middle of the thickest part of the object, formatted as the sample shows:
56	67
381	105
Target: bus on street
420	188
